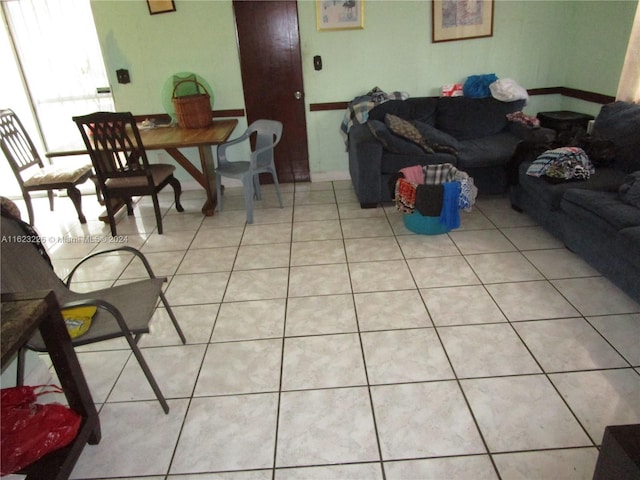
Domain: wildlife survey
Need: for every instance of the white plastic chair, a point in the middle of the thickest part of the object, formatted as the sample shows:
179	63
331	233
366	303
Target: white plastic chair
268	134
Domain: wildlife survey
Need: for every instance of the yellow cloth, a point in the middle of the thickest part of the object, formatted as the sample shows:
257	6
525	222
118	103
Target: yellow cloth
78	319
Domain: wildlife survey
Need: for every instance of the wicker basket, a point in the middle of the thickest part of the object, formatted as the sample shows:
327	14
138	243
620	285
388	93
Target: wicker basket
192	111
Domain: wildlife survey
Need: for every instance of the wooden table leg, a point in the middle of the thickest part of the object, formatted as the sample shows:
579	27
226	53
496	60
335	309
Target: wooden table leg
206	178
208	170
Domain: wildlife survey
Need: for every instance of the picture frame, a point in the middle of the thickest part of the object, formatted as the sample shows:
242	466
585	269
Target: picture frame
161	6
461	19
339	14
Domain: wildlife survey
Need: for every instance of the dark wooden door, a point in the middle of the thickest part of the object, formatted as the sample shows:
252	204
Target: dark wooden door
271	66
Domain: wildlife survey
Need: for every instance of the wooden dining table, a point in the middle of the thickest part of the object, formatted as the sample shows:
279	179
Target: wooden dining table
173	139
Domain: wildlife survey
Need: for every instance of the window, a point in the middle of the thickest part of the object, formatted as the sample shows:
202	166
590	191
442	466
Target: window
61	63
629	87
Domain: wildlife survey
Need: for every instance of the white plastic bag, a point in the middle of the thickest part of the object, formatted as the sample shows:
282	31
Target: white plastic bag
508	90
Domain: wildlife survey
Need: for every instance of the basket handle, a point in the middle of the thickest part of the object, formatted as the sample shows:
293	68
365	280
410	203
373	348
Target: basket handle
173	93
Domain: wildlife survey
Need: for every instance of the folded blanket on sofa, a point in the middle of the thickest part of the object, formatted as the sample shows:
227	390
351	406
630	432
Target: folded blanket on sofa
629	191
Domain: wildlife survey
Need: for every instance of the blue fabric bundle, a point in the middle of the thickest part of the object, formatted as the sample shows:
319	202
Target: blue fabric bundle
450	214
477	86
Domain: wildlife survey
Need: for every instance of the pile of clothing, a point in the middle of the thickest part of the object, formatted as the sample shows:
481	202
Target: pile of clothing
359	108
562	164
435	191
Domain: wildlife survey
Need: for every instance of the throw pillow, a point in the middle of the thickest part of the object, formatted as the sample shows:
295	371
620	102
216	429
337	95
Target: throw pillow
392	142
438	140
407	130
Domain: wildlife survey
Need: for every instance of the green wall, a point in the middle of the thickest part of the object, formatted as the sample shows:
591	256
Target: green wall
578	44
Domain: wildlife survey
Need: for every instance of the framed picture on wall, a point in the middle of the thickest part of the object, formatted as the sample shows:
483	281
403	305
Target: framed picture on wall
340	14
161	6
461	19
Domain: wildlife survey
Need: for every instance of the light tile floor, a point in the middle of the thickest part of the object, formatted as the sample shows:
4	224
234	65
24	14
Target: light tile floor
329	342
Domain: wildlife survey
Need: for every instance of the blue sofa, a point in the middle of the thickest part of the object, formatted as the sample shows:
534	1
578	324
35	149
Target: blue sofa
480	139
596	218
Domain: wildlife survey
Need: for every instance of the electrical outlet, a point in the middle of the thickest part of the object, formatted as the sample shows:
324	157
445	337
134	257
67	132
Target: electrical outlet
123	76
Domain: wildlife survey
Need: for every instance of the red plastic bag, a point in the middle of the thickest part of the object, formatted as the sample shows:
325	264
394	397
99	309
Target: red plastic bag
30	430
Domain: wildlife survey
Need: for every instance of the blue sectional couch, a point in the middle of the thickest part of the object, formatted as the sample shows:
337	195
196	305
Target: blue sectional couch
481	140
595	218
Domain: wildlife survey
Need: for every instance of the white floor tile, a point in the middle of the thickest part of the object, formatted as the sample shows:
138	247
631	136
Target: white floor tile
380	276
568	344
328	341
530	301
319	280
240	367
569	464
602	397
622	331
424	420
125	451
452	468
596	296
461	305
504	409
321	427
486	351
400	356
250	320
391	310
236	432
321	315
322	362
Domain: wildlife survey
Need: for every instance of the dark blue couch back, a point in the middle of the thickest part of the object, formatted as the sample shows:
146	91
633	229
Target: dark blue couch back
461	117
620	123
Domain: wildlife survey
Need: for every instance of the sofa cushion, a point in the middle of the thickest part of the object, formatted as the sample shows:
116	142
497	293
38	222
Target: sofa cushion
604	179
601	210
487	151
406	129
629	191
628	241
423	109
399	108
467	118
620	123
433	136
390	141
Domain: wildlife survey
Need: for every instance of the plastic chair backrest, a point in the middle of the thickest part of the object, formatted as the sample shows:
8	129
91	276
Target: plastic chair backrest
268	135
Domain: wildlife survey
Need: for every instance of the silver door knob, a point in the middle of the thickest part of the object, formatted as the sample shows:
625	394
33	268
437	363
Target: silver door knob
298	95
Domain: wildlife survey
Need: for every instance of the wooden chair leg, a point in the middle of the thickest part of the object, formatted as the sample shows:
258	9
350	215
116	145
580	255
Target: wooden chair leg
177	192
111	213
27	201
50	195
76	198
156	209
94	179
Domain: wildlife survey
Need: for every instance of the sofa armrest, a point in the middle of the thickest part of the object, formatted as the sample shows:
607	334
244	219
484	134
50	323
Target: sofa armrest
365	164
532	134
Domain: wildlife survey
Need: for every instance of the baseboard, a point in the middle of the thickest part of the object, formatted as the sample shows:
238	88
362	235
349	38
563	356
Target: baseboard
333	176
